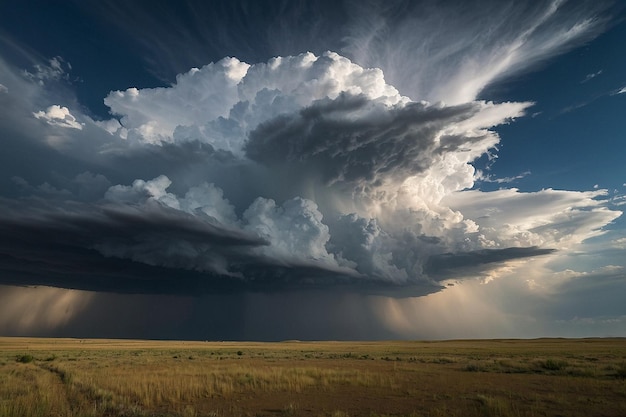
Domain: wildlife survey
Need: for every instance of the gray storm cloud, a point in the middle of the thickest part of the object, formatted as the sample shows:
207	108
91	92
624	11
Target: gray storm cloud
350	140
302	172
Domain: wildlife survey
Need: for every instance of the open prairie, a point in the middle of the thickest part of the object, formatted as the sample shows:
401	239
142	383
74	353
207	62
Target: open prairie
543	377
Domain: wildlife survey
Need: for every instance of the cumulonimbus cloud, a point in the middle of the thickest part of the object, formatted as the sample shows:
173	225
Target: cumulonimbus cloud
301	172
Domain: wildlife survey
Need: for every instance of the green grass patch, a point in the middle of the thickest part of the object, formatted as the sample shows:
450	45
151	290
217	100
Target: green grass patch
24	358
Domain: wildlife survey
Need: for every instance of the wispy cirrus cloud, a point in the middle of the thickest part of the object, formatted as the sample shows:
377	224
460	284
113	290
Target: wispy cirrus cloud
424	59
591	76
481	176
410	41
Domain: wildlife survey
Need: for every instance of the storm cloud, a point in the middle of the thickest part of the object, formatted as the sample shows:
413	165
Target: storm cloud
362	204
291	178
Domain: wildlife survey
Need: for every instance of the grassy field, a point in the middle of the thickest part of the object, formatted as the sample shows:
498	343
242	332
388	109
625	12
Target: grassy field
544	377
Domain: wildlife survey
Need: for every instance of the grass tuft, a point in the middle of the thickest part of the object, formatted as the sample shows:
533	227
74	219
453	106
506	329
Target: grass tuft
24	358
473	367
553	364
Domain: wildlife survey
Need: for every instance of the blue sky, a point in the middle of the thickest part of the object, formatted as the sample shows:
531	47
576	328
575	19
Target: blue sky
574	141
312	170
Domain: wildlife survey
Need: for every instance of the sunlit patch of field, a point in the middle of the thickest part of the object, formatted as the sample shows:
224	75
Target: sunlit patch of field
544	377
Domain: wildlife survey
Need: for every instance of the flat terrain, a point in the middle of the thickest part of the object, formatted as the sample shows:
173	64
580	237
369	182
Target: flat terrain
543	377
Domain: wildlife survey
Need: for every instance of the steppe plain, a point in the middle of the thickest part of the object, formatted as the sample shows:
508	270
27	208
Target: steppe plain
93	378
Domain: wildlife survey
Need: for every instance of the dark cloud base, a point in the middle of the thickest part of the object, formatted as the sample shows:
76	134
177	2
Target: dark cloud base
89	271
58	246
475	262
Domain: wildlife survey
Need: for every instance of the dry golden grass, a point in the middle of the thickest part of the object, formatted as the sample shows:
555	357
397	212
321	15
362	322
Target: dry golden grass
545	377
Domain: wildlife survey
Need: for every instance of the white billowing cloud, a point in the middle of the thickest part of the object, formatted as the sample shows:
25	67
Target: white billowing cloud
547	218
361	244
295	230
112	126
205	198
197	97
202	210
142	190
333	122
56	115
306	108
393	246
210	200
221	102
453	171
